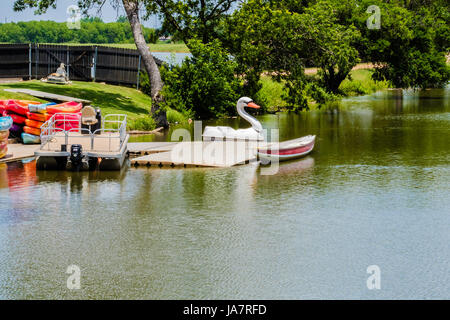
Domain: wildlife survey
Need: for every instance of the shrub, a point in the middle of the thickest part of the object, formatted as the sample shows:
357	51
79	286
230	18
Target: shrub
144	123
174	116
205	84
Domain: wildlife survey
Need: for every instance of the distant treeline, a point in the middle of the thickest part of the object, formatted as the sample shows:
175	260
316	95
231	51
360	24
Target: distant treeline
91	31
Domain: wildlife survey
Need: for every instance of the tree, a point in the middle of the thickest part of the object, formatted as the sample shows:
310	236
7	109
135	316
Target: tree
205	85
189	19
132	11
411	44
268	36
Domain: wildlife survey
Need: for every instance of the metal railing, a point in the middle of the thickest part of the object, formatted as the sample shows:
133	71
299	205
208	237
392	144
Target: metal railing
113	128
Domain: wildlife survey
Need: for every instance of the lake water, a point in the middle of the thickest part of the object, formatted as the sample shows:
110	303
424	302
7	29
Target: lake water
172	58
375	191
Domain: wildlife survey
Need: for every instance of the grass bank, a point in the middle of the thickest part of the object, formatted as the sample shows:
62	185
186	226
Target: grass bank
359	82
111	99
137	105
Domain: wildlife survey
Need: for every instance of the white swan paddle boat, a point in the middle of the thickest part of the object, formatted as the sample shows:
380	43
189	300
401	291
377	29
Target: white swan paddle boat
255	133
267	152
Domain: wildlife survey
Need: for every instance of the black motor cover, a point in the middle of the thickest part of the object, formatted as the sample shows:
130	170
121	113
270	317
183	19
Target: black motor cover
76	154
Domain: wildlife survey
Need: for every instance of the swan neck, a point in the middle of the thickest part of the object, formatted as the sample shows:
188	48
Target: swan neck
255	123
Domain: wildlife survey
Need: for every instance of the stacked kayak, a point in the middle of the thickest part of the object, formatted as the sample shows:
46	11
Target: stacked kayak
17	110
5	125
36	116
27	117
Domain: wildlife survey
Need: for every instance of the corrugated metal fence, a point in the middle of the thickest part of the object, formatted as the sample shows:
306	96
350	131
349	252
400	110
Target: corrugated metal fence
83	63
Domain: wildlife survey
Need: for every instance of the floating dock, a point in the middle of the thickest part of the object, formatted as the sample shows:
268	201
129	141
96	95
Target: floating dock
197	154
148	154
18	151
145	148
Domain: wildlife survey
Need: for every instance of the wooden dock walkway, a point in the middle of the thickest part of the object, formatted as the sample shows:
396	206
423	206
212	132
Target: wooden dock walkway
168	154
48	96
18	151
146	148
200	154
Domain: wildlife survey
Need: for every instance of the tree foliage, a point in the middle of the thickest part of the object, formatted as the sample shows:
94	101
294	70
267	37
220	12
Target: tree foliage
191	19
205	84
91	31
411	44
283	38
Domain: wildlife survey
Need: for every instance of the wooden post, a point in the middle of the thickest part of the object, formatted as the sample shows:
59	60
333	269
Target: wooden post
37	58
29	61
68	63
95	62
138	73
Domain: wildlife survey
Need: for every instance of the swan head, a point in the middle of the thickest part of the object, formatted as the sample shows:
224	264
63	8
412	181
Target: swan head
246	102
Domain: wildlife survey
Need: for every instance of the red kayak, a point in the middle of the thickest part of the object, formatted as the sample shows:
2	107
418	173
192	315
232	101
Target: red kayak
37	116
31	130
17	119
19	106
66	107
33	123
3	107
66	121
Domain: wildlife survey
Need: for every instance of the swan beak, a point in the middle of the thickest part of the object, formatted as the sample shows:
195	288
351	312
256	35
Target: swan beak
253	105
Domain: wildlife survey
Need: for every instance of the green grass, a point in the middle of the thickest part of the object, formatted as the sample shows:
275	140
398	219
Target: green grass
361	83
271	92
178	47
176	117
110	99
4	95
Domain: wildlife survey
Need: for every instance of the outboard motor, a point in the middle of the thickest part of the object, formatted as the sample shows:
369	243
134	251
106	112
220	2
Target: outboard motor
76	160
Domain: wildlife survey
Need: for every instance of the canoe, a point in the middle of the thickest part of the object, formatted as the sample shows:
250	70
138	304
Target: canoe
19	106
67	107
37	116
30	138
33	123
40	108
31	130
287	150
17	119
5	123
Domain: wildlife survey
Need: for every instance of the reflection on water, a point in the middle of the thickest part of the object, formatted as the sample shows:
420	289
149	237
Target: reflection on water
374	191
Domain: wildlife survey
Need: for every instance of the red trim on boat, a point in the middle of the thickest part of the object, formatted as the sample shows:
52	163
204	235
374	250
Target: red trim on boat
286	152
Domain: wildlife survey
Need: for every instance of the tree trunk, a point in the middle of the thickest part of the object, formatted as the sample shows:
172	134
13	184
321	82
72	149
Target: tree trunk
132	9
